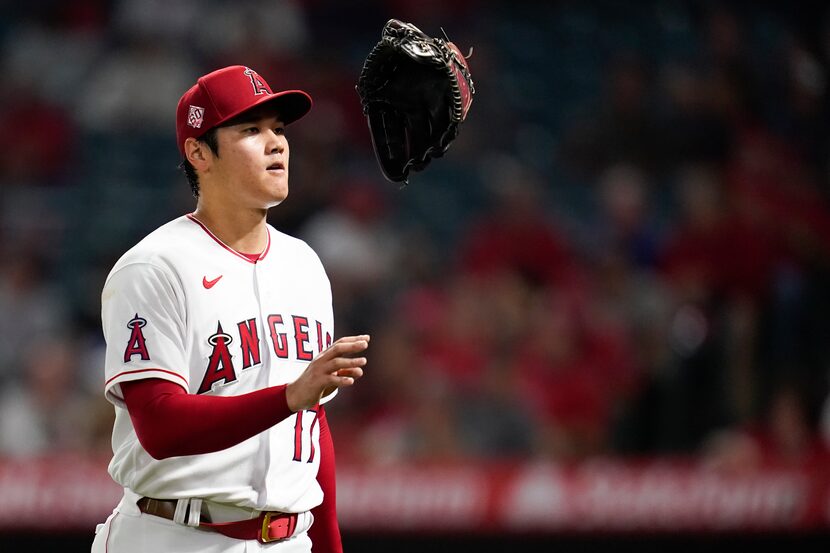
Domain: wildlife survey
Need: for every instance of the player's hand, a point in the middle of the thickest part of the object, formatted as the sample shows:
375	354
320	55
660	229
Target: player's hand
334	368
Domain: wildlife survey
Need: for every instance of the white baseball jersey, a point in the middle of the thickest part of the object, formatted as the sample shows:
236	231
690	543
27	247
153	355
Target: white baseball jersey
184	307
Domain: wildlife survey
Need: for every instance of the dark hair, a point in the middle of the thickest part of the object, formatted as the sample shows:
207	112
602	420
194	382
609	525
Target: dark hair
210	140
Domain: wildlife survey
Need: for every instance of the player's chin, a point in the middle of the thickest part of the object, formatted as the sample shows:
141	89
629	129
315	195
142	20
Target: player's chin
276	193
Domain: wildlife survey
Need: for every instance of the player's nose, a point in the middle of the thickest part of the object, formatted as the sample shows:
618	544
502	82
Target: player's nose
276	143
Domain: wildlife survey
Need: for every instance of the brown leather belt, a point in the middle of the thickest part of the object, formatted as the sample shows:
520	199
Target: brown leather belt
269	526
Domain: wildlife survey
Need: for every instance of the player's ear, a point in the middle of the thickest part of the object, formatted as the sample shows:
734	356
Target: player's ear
197	153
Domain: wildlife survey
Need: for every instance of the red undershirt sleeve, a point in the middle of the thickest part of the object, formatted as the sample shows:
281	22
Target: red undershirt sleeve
325	532
203	424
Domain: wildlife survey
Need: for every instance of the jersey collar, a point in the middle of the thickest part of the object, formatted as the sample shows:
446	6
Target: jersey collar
231	250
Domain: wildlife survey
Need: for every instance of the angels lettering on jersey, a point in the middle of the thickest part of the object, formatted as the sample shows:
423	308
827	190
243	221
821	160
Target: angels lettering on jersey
221	368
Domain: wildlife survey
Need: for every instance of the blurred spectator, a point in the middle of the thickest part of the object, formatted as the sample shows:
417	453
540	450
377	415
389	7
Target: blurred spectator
155	21
625	224
787	435
773	192
516	233
32	311
136	87
359	248
712	253
493	419
771	188
404	414
719	270
456	346
571	373
731	80
247	29
621	128
72	33
37	139
45	412
691	129
354	238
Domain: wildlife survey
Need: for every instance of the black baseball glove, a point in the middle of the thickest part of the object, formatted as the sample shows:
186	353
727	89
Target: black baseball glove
415	91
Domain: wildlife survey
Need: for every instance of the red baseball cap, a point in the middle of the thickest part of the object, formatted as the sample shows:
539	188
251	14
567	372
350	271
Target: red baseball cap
227	92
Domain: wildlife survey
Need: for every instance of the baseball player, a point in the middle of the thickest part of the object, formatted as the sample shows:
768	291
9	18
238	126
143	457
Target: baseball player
220	353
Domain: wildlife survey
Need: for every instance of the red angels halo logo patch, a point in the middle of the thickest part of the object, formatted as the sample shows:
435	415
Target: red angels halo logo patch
195	116
137	345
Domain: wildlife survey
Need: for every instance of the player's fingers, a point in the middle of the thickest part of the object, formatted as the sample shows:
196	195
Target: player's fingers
344	363
344	348
352	372
347	339
341	381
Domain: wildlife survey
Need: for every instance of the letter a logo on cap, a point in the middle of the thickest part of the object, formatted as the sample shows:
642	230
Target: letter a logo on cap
256	81
195	116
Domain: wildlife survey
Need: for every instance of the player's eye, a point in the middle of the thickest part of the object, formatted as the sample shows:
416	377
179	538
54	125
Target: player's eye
250	130
279	130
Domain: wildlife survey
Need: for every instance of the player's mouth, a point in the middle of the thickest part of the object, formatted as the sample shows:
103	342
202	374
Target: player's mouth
276	167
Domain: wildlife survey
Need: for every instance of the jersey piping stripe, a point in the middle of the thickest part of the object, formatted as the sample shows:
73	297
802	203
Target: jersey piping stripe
233	251
109	532
144	371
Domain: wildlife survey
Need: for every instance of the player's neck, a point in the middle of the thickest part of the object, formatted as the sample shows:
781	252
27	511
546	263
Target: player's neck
241	229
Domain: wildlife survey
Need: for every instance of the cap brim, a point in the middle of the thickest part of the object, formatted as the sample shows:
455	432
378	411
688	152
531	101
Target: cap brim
289	105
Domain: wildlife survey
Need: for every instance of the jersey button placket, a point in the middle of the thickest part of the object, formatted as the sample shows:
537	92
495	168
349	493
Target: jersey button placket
262	321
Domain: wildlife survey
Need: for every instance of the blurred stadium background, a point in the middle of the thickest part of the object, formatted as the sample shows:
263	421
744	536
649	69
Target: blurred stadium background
601	321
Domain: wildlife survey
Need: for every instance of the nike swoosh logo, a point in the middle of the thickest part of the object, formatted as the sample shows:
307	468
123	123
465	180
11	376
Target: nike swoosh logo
208	284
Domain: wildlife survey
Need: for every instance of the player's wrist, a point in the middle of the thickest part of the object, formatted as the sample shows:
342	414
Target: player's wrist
291	398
